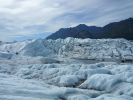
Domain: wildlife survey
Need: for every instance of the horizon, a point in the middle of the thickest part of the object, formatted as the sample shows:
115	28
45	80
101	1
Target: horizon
29	19
41	35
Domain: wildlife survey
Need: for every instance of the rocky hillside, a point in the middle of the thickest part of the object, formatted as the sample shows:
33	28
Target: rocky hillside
122	29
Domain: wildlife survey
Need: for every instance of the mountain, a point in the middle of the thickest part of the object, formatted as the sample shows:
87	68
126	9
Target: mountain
122	29
80	31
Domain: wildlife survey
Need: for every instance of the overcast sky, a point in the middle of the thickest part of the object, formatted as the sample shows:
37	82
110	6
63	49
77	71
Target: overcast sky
27	17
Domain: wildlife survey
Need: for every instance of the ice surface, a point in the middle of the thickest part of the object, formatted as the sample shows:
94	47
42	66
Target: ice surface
69	69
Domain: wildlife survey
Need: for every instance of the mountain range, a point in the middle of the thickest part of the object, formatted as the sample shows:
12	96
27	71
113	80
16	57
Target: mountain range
122	29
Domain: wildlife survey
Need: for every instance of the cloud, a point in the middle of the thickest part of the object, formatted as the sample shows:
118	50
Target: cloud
27	17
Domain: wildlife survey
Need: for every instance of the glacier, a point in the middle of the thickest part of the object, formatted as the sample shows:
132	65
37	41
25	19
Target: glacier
67	69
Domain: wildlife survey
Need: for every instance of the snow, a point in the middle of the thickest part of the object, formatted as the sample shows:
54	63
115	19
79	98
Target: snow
69	69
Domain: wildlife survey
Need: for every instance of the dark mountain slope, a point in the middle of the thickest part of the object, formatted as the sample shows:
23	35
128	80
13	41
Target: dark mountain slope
122	29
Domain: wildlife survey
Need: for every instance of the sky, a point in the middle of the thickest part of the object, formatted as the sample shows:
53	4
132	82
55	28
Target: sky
26	18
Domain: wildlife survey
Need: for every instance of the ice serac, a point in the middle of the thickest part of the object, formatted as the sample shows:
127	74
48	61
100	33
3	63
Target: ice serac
92	49
120	49
37	48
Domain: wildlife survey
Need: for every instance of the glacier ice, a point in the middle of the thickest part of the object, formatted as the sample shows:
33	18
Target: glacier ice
67	69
